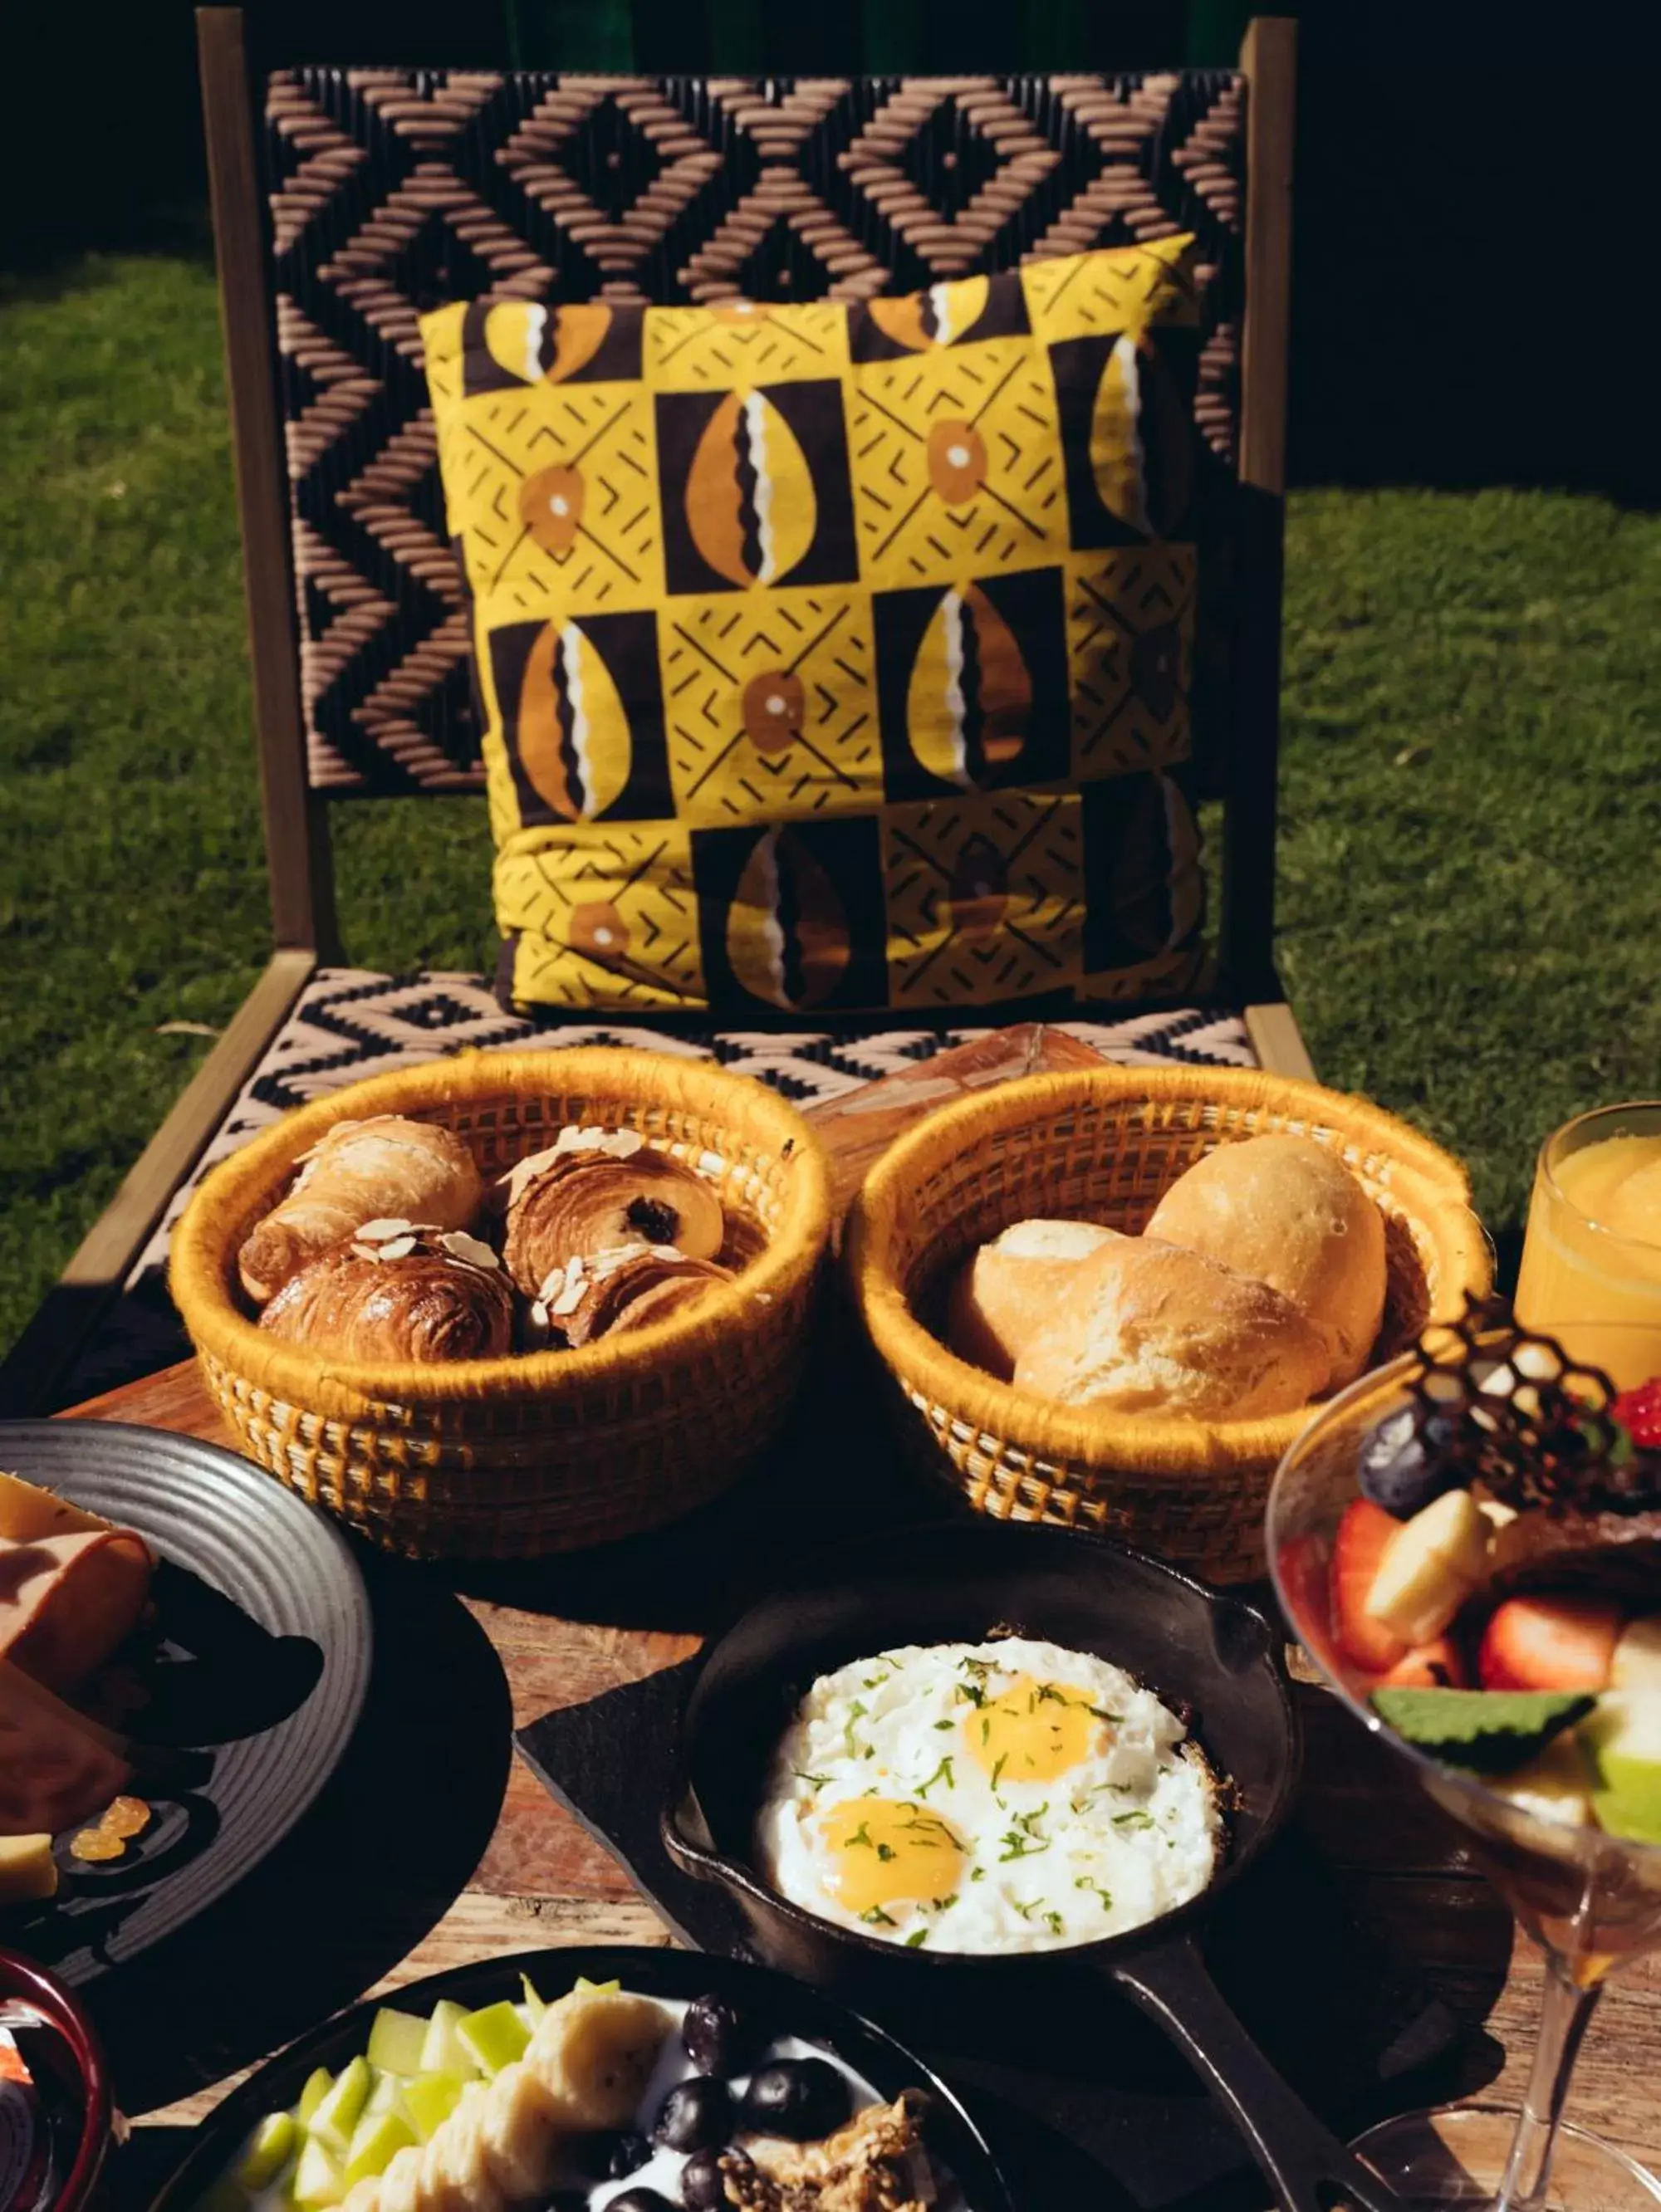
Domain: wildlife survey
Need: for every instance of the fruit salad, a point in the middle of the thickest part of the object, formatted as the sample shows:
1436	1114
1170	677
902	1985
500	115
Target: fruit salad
1492	1587
602	2101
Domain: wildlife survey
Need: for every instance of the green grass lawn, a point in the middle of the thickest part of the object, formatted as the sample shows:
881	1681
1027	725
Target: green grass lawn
1471	811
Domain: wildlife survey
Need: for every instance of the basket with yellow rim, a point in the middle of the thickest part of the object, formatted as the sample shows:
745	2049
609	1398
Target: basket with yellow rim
1104	1146
550	1451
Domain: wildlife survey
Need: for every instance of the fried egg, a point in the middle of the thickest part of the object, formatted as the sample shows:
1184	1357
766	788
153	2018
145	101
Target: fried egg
1000	1797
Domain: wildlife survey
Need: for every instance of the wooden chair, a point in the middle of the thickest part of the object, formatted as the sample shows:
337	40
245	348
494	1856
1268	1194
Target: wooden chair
345	201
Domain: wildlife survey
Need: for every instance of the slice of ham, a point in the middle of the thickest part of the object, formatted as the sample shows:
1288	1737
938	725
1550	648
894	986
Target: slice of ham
72	1585
57	1767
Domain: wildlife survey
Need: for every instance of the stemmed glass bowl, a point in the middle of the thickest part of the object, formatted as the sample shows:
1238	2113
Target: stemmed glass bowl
1592	1900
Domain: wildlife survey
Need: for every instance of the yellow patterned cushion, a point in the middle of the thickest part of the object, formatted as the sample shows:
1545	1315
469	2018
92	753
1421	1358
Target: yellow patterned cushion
835	656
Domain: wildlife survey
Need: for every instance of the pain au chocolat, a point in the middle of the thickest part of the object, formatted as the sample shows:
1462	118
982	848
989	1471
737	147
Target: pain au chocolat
599	1190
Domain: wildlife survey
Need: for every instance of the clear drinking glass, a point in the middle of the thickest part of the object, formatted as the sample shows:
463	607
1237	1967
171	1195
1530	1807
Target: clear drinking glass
1592	1900
1591	1258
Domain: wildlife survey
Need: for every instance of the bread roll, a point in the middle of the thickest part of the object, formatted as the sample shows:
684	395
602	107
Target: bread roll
386	1168
1150	1328
1288	1212
1007	1292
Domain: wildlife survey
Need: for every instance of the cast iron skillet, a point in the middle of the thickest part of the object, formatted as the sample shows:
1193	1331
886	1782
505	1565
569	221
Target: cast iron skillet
949	1584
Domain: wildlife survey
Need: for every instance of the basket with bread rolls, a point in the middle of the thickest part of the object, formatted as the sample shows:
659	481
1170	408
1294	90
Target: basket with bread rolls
509	1304
1111	1298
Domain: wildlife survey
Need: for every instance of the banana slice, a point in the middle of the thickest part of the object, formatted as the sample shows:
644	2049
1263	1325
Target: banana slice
593	2051
522	2133
461	2144
399	2186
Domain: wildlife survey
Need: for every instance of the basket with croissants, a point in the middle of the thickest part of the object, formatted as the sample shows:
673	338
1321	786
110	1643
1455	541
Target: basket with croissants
490	1306
1109	1297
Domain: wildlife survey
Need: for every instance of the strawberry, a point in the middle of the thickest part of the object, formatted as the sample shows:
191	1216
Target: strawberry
1357	1549
1309	1613
1436	1666
1549	1643
1639	1413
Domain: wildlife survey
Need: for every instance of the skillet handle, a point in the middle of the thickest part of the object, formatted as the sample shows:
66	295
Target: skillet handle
1304	2162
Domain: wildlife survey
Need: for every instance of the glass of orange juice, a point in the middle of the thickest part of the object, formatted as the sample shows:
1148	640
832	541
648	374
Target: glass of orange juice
1591	1258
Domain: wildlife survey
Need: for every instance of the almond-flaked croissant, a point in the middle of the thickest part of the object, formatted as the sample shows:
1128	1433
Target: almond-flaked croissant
625	1287
387	1167
394	1292
595	1190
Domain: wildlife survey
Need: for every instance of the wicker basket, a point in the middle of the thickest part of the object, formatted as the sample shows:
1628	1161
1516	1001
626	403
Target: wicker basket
1104	1145
506	1458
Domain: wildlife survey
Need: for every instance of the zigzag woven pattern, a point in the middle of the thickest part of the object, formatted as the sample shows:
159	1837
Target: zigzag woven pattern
393	192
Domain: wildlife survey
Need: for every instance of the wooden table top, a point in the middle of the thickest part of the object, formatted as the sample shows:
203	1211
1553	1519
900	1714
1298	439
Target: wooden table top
436	1845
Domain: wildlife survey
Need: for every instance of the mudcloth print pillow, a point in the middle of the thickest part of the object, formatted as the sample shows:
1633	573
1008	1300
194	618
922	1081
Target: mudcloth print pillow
834	657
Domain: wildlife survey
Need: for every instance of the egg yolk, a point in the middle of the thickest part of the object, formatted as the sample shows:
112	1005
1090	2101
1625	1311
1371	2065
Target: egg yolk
1033	1731
885	1852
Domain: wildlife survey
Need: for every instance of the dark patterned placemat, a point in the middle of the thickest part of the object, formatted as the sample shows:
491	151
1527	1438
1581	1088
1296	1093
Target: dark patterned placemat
1089	2095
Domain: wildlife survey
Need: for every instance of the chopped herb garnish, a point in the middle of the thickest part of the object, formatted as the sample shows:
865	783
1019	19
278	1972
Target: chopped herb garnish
876	1918
874	1681
970	1693
1020	1847
1028	1821
860	1835
977	1873
998	1769
1102	1714
986	1734
1133	1820
885	1852
942	1904
1087	1882
856	1712
943	1770
801	1774
917	1938
944	1724
1052	1921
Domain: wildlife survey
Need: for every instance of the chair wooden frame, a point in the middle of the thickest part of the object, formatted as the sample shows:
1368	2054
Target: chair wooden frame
296	816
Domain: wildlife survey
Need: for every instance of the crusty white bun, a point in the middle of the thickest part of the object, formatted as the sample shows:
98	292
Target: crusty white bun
1012	1288
1149	1328
1288	1211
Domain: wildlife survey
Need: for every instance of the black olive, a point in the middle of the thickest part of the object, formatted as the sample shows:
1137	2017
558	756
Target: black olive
717	2038
640	2200
804	2098
695	2115
702	2187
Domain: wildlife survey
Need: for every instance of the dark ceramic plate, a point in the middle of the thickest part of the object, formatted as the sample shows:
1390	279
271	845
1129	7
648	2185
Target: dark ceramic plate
788	2006
260	1676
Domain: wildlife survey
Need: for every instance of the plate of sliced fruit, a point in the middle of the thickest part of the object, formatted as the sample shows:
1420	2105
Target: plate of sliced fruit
184	1654
618	2080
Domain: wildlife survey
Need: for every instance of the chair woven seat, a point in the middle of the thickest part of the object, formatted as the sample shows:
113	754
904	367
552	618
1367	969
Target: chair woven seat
351	1022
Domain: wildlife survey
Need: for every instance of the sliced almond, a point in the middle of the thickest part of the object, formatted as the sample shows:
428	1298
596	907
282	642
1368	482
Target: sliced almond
366	1251
551	1285
398	1248
473	1249
383	1231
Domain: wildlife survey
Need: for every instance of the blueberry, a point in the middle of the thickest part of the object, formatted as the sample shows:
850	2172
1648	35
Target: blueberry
702	2187
609	2156
695	2115
641	2200
1403	1466
804	2098
717	2038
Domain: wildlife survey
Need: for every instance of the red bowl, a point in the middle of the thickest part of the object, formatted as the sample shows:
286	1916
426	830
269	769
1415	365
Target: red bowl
81	2080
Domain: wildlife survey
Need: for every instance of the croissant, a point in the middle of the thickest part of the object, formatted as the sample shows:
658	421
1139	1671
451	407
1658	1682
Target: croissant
396	1292
594	1190
585	2069
361	1171
625	1287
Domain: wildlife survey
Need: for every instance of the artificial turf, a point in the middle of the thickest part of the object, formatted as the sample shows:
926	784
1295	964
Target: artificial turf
1470	857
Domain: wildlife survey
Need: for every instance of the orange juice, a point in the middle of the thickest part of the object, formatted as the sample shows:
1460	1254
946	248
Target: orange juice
1592	1255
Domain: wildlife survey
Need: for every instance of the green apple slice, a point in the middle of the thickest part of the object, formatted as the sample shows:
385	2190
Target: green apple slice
271	2147
319	2083
317	2179
535	2006
443	2052
583	1987
1623	1739
376	2141
395	2041
495	2036
342	2109
429	2100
